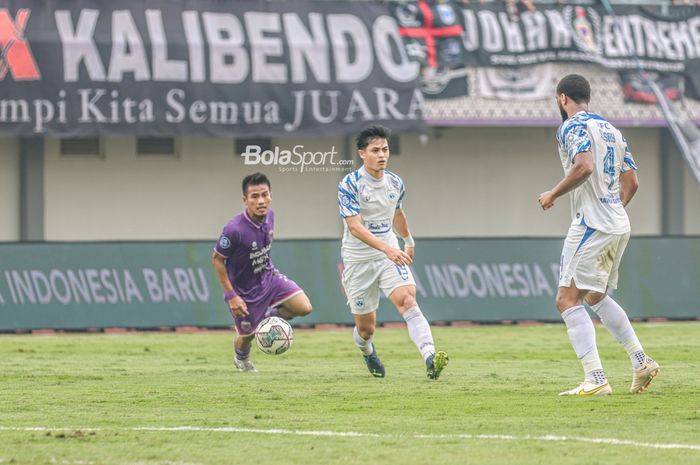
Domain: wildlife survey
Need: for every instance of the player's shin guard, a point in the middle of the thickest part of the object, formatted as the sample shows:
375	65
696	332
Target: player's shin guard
365	345
581	332
616	321
419	331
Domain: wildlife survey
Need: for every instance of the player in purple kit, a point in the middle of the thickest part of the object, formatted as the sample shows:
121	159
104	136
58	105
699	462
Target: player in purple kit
253	287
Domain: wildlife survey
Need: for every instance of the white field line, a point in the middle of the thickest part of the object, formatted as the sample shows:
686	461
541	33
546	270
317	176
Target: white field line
356	434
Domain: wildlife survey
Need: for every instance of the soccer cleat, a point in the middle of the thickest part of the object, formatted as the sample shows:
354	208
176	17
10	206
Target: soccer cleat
588	389
245	365
436	363
642	376
374	364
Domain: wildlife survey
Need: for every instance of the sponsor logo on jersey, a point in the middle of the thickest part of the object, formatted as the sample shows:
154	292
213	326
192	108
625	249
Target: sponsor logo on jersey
380	226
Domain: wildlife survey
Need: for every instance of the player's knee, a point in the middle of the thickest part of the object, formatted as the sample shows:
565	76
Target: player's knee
305	309
365	331
564	302
593	298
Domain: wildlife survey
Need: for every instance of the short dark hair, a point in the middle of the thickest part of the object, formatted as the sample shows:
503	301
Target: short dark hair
371	132
576	87
254	180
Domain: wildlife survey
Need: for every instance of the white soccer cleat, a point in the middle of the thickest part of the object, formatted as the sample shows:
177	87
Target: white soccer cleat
642	376
245	365
589	389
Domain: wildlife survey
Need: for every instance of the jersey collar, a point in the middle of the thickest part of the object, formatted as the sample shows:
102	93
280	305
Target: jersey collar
251	220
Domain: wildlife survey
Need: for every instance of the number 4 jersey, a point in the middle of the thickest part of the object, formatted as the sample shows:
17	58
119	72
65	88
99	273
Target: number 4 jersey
596	203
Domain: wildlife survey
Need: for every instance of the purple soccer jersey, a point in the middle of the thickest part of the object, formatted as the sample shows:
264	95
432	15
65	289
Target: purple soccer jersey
246	244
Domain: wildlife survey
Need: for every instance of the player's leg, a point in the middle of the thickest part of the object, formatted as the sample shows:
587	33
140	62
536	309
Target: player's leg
397	282
581	331
577	276
286	299
363	335
362	290
614	318
242	346
245	331
297	305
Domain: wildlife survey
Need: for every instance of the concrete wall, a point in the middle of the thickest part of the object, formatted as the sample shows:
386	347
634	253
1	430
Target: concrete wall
124	196
9	189
465	182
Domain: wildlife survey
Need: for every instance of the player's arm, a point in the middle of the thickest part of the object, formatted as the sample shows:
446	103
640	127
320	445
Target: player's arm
401	228
236	304
628	186
577	175
358	229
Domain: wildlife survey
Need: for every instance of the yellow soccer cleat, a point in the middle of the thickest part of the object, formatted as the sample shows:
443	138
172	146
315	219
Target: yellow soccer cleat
589	389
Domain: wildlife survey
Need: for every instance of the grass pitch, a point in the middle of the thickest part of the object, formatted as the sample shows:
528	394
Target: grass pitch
496	402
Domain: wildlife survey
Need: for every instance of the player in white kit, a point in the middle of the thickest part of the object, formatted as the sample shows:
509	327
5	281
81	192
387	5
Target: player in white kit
600	176
370	205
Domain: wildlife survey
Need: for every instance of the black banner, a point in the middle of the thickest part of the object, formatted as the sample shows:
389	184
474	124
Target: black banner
207	67
448	33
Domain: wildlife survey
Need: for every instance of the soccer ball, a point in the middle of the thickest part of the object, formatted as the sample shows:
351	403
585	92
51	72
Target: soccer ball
274	335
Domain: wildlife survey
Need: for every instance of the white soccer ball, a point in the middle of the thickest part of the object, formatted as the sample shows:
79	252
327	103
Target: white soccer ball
274	335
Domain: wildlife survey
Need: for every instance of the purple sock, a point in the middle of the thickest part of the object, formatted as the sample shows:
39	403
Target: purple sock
242	354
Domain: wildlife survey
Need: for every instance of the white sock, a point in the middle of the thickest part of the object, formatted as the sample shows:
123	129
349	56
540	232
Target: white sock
581	332
615	319
365	345
419	331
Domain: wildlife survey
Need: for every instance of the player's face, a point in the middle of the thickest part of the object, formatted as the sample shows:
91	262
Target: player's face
376	155
561	99
258	199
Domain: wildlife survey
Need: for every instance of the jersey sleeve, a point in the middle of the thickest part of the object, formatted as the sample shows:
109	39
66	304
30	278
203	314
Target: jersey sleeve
348	202
398	204
628	162
576	139
226	243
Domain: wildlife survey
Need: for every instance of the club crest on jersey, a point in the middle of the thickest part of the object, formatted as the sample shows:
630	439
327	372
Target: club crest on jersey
366	197
393	195
447	14
254	245
224	242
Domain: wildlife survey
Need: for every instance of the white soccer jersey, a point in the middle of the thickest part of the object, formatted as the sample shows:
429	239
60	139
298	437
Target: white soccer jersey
376	201
596	203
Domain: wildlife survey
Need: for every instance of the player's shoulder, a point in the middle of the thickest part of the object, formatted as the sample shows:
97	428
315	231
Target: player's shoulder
573	125
234	225
394	179
350	181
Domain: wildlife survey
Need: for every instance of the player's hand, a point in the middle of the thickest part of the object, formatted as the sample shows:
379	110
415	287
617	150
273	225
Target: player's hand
547	200
398	256
238	307
410	251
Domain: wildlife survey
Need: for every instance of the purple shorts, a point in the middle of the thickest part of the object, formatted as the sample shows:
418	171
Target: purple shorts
279	290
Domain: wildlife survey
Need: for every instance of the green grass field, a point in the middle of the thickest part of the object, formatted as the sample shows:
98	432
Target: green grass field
496	402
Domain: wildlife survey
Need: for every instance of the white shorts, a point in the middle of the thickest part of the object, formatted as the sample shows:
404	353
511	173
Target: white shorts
363	280
591	258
